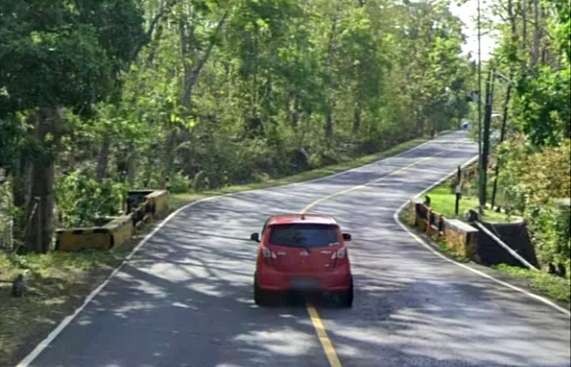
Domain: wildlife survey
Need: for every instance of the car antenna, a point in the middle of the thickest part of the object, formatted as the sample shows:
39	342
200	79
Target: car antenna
302	216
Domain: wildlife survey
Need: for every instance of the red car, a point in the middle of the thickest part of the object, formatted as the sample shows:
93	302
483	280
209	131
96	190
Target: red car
303	252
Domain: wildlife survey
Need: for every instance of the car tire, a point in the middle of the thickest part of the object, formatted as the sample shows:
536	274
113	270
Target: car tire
346	298
259	295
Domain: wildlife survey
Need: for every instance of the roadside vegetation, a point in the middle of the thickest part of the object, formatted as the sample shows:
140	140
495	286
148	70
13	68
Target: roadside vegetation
203	97
553	287
58	282
531	161
443	201
100	97
547	283
528	109
179	199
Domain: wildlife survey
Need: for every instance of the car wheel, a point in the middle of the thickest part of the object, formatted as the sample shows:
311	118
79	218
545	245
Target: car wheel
346	298
259	295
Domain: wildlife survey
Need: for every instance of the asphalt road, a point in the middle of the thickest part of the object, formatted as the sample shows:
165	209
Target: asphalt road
185	298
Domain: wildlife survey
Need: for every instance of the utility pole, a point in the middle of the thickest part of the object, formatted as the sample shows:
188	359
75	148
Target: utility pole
481	188
486	133
502	136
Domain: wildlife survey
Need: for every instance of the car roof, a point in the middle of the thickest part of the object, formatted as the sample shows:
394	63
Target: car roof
301	218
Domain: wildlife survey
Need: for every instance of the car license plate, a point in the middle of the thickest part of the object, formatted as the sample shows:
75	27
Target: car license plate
304	283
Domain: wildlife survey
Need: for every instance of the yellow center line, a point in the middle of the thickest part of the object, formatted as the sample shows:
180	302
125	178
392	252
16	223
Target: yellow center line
359	187
326	343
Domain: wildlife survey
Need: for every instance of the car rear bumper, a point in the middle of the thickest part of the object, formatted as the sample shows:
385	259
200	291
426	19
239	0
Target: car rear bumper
338	280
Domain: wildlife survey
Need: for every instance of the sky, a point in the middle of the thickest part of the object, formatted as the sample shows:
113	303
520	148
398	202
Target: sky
467	13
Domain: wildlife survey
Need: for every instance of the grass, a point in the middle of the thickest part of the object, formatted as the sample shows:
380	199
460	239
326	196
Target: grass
58	282
180	199
443	200
551	286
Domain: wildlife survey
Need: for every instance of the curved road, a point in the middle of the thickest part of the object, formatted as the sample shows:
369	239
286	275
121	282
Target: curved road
185	298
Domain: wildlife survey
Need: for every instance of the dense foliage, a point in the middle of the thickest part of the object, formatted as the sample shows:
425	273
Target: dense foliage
535	159
195	94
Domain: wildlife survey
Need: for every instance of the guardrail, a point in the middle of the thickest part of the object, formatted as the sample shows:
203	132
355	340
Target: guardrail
474	241
461	237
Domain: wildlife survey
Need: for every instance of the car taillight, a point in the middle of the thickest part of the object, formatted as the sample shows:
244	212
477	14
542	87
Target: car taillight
268	254
339	254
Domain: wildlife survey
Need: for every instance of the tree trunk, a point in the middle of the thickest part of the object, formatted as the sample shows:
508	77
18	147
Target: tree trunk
131	168
103	158
169	157
39	226
20	194
502	137
357	118
524	23
293	110
330	81
21	182
328	128
537	32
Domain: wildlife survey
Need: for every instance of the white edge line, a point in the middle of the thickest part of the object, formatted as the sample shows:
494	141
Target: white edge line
429	141
464	266
68	319
362	186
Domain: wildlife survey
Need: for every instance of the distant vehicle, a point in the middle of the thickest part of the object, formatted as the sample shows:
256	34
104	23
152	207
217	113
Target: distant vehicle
465	124
303	252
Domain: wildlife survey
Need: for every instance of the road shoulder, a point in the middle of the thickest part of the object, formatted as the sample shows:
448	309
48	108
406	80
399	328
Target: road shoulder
49	309
519	284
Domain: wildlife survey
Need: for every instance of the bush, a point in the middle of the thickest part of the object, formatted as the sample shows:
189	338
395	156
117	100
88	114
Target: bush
81	200
178	183
550	228
531	179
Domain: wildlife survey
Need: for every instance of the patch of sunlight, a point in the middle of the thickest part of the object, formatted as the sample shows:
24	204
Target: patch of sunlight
208	289
285	341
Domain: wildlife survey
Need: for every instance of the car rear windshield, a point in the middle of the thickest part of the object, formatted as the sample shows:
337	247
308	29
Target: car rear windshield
303	235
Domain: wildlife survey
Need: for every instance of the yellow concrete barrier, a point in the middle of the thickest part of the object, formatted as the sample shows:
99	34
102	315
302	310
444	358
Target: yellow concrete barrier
461	237
113	234
121	230
76	239
159	200
142	204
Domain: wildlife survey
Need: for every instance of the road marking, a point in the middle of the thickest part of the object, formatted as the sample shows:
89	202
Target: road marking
318	325
427	246
359	187
430	141
464	266
326	343
68	319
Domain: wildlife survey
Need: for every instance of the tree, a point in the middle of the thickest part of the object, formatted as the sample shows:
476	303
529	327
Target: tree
56	57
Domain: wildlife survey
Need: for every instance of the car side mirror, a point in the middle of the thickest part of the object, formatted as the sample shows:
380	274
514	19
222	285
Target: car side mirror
346	237
255	237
